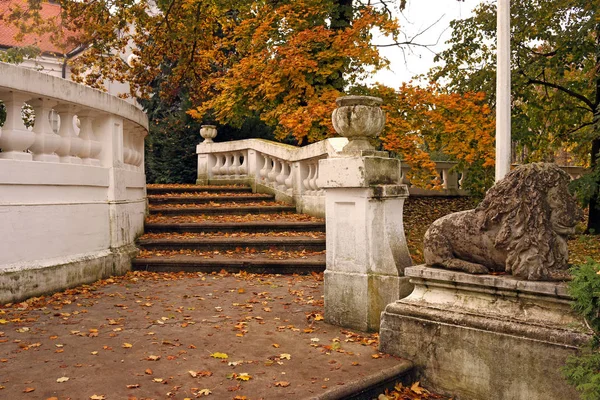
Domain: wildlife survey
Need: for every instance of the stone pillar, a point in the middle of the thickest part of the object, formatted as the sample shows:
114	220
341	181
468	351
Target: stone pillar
366	246
208	132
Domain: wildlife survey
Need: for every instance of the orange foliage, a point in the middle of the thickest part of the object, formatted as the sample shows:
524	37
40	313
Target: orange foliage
425	120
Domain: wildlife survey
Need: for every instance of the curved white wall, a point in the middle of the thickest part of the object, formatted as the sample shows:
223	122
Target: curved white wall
72	202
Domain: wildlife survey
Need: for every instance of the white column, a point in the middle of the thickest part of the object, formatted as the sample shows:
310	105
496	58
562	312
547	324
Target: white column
503	157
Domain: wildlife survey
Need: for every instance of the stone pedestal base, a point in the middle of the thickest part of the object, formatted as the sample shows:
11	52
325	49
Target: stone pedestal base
484	337
366	246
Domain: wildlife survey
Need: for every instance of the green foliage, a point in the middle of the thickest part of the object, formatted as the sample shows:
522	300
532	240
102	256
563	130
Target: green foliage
478	179
583	370
16	55
555	75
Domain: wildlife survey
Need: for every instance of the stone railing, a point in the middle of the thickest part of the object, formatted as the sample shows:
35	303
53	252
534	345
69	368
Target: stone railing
288	172
72	185
451	180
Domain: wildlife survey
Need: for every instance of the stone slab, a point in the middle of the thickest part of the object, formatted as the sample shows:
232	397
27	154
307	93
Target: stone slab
484	337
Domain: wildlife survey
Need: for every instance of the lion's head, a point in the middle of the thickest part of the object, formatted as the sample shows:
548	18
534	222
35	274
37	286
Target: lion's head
532	212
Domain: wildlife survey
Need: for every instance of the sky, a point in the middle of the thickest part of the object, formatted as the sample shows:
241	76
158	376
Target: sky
418	16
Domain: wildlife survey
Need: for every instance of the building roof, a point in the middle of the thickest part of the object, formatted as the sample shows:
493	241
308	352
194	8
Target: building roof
8	31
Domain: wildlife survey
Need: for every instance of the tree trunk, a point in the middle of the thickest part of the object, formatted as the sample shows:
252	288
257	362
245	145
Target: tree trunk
593	225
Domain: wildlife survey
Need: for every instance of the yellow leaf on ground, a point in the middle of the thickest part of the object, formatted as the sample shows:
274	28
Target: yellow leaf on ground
243	377
97	397
127	345
63	379
203	392
285	356
219	355
282	384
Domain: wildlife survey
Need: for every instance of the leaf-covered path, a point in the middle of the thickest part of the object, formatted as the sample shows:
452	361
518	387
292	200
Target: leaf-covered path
160	335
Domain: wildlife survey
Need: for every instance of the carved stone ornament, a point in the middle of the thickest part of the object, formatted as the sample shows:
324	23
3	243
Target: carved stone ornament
208	132
520	228
358	118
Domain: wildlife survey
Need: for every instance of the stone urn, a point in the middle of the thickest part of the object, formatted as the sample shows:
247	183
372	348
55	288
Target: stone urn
208	132
358	118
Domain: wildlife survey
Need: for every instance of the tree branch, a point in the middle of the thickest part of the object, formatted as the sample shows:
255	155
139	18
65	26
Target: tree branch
563	89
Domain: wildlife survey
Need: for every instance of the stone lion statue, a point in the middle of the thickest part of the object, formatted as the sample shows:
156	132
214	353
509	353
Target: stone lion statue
519	228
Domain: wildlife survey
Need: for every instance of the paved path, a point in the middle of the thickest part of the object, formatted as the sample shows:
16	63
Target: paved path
158	336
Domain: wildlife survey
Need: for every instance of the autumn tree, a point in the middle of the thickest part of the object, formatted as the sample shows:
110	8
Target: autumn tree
282	61
555	78
427	122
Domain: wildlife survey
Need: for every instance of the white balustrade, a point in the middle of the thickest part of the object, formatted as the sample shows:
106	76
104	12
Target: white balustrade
71	204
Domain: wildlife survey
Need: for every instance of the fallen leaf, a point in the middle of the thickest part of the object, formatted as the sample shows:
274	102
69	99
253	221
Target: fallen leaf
193	373
243	377
148	371
275	345
203	392
153	358
219	355
28	390
157	380
282	384
97	397
285	356
62	379
417	389
127	345
134	386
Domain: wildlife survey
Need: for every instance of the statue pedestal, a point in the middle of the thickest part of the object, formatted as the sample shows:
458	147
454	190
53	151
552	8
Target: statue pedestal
483	336
366	246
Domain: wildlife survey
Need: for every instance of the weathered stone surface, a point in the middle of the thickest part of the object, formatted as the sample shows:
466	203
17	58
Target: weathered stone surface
484	337
358	118
520	227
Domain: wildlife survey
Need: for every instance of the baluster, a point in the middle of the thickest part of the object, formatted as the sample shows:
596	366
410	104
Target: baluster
244	165
216	170
313	179
306	181
461	182
91	146
289	181
70	144
46	141
264	170
280	179
234	169
127	147
15	138
225	168
274	172
444	178
139	146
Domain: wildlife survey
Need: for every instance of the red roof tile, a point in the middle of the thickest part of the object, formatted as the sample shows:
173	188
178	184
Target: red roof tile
8	31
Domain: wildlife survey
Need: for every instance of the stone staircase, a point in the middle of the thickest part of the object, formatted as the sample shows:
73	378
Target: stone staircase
210	228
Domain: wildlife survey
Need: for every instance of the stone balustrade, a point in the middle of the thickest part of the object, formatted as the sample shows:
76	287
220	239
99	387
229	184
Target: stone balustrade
72	185
288	172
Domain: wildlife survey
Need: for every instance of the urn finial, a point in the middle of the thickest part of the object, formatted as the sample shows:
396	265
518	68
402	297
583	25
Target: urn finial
358	118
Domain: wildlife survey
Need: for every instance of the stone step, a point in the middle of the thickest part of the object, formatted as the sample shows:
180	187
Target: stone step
232	243
221	210
373	383
218	263
164	189
259	226
208	199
